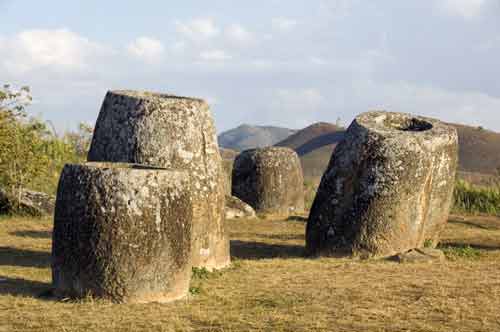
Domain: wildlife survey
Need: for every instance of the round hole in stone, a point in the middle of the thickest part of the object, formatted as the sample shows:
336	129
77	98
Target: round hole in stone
409	124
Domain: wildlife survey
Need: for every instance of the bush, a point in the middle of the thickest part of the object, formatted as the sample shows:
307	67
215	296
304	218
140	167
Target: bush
31	155
476	199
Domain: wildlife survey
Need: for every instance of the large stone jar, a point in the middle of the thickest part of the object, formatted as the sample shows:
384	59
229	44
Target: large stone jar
387	189
270	180
175	133
122	232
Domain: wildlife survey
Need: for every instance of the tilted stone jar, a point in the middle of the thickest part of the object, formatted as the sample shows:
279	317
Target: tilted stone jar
388	187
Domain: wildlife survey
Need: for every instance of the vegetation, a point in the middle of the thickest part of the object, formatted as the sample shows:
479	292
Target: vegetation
271	286
461	251
476	199
31	154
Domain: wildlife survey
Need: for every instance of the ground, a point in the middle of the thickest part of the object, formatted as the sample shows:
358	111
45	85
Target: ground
272	287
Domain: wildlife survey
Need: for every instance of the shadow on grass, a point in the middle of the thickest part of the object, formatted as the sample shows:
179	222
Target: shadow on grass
260	250
481	246
297	218
25	288
24	258
475	224
33	234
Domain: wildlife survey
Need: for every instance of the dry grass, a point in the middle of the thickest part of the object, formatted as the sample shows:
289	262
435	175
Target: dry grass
271	287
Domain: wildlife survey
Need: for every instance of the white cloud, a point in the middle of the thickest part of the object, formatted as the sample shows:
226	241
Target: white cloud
197	29
59	49
283	24
467	9
215	55
146	48
236	33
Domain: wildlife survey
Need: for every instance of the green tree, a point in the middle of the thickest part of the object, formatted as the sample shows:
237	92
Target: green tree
31	155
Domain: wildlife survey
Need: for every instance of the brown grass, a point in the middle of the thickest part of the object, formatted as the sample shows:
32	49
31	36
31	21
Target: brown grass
271	287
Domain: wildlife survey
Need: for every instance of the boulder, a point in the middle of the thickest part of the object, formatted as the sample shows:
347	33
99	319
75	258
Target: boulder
236	208
37	203
270	180
175	133
30	202
420	255
387	189
122	232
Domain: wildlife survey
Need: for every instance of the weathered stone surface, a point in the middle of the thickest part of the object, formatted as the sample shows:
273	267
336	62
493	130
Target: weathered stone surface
122	232
236	208
270	180
175	133
420	255
227	165
388	187
32	203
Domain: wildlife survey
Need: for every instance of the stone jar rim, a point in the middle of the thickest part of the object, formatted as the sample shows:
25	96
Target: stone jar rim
405	126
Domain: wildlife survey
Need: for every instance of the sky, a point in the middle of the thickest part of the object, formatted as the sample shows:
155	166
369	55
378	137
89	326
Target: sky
267	62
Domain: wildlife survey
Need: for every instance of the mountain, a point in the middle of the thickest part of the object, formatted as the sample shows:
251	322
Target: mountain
248	137
479	149
314	145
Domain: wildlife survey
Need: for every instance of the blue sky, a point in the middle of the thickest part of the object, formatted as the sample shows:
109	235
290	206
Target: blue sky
287	63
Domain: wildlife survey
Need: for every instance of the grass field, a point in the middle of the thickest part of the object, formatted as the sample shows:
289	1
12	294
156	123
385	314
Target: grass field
271	287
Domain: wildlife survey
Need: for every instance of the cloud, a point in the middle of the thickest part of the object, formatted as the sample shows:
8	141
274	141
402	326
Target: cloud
148	49
215	55
59	49
236	33
283	24
197	29
467	9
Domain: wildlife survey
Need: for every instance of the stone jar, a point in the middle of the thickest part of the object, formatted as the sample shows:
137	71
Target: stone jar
270	180
175	133
122	232
388	187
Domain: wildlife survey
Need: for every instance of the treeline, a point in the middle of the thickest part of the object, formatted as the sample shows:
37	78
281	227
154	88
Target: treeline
31	153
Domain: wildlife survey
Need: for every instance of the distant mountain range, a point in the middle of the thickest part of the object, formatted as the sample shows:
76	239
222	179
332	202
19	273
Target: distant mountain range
479	149
248	137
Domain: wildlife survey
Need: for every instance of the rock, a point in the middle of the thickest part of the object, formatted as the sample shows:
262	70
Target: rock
122	232
236	208
420	255
270	180
175	133
227	165
31	203
37	203
387	189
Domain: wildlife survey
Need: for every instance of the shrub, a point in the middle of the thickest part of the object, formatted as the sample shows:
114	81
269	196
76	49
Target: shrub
31	155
